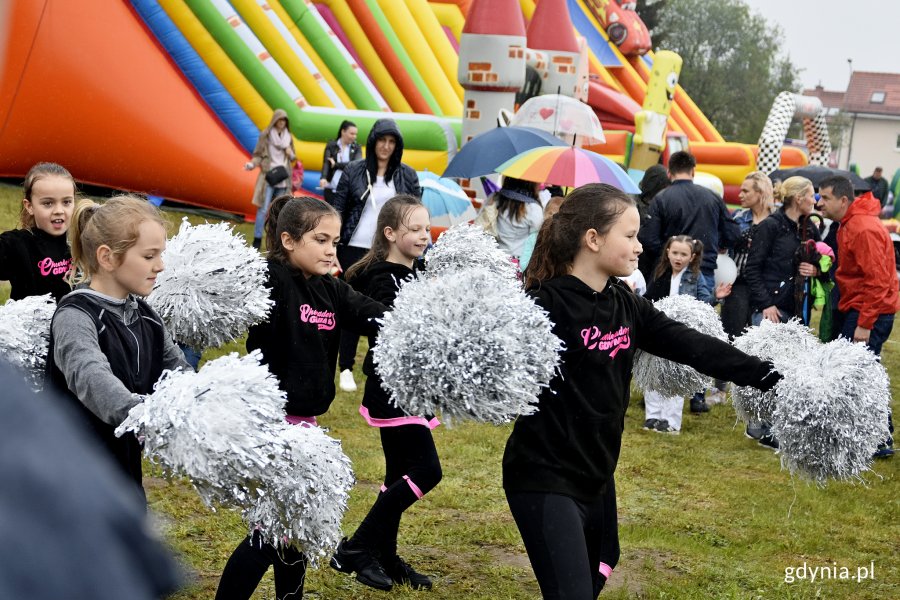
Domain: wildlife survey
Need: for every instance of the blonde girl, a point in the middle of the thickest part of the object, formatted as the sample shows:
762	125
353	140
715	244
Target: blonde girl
107	346
35	257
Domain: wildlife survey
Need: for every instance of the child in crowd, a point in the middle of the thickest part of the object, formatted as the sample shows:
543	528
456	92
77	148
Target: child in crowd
678	272
35	258
107	345
299	343
412	467
560	460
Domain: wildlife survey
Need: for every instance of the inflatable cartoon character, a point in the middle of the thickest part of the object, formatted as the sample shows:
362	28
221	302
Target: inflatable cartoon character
622	24
650	122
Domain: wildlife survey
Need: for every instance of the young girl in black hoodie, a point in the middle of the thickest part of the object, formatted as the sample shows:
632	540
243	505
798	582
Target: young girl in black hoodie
412	467
559	461
299	343
36	257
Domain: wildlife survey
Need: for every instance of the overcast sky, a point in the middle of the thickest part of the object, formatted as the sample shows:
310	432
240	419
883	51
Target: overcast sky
820	35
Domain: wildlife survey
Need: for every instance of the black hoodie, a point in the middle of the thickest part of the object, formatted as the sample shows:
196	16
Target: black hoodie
300	340
571	445
381	282
353	189
34	262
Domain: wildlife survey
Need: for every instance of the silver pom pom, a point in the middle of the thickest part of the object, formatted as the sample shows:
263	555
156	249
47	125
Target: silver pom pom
224	429
832	411
213	287
671	378
784	344
25	334
467	345
464	246
304	491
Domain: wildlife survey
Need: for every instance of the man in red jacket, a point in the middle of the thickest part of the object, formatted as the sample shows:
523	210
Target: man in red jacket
866	273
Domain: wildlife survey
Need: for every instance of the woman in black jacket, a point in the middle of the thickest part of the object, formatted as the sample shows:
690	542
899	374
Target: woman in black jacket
339	153
774	263
364	188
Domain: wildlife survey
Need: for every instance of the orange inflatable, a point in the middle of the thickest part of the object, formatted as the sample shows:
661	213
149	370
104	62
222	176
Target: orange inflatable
84	84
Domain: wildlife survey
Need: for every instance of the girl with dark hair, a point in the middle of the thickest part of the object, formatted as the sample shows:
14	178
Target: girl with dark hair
339	152
559	462
35	257
678	272
412	468
299	343
519	215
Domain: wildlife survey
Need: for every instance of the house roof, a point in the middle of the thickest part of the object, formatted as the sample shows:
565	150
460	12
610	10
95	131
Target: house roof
830	99
864	87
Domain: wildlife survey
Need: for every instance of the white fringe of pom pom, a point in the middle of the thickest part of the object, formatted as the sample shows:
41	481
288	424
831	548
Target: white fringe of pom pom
784	344
465	246
213	287
25	335
832	411
671	378
223	428
467	345
304	491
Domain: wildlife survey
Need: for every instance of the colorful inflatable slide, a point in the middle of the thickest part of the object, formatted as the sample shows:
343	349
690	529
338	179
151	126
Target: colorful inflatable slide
167	97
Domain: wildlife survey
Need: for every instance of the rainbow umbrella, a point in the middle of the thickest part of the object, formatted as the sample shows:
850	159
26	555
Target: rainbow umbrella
568	167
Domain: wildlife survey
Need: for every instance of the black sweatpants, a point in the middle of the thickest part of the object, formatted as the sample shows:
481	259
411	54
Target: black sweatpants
412	469
250	561
348	256
572	545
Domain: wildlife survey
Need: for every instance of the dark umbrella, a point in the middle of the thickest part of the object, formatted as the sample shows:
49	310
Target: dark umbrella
485	152
817	174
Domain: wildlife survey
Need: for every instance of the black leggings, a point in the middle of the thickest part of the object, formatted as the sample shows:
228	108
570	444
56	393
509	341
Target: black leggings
412	469
250	561
572	545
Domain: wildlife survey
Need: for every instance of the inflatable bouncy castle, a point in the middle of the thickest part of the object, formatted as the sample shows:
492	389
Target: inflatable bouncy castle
167	97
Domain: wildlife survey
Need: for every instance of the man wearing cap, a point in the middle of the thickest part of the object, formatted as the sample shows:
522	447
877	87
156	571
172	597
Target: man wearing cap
866	273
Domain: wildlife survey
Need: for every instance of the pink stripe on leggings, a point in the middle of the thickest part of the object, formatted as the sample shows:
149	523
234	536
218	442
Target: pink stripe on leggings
383	488
298	420
413	487
605	570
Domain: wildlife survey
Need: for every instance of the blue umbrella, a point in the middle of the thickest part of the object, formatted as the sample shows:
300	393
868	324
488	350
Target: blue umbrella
485	152
445	200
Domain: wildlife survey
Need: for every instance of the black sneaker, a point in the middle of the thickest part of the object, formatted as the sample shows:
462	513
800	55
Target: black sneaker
401	572
755	431
768	440
368	570
885	450
662	426
699	406
650	424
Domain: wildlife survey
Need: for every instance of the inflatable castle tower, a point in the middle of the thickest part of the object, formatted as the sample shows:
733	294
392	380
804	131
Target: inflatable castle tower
550	31
491	63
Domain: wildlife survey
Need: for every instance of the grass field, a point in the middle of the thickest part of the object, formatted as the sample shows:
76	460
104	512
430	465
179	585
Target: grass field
707	514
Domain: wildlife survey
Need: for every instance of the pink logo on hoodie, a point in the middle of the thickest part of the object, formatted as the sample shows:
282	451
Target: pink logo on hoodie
594	339
322	318
49	267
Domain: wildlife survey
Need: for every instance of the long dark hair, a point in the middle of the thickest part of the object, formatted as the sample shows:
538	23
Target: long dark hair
344	126
696	247
594	206
295	216
393	214
510	206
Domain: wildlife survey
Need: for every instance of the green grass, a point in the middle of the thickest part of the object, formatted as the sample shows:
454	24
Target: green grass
707	514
